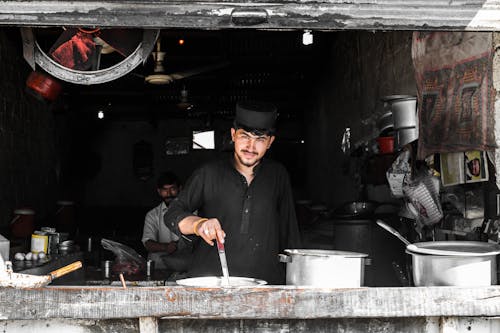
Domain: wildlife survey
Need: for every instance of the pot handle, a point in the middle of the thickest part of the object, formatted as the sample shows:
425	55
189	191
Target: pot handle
284	258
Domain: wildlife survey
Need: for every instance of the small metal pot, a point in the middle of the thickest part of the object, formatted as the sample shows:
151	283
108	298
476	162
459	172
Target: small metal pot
324	268
405	136
404	113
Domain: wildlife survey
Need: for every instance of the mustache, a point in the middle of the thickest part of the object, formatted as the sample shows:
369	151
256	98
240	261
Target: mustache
248	151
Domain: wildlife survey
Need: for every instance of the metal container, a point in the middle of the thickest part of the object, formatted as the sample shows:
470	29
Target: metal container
324	268
405	136
150	267
216	281
457	263
404	112
385	122
106	269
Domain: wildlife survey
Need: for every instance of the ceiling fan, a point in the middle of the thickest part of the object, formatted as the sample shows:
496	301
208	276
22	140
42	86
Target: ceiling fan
80	49
76	54
160	77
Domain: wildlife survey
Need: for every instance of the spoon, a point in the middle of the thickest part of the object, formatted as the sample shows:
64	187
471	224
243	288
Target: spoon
223	263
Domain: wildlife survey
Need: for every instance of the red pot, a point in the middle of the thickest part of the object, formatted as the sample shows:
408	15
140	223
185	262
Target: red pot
386	144
43	86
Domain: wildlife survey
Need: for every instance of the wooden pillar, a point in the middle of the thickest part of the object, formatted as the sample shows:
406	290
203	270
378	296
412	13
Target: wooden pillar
496	85
148	325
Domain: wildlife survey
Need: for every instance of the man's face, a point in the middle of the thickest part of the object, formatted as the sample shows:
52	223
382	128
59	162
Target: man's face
248	148
476	167
168	193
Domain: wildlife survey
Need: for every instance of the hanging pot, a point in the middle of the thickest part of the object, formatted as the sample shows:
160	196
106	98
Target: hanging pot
405	136
404	112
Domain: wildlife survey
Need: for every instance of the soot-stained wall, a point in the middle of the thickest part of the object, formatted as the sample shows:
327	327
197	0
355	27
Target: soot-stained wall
28	153
359	69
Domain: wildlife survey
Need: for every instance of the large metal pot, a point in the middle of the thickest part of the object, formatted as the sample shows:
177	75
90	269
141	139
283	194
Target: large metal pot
454	263
324	268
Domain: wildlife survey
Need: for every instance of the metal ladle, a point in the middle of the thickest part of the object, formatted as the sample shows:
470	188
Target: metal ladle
393	231
420	249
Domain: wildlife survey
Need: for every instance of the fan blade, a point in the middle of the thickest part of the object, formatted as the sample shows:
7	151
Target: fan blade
63	38
125	41
96	58
196	71
74	51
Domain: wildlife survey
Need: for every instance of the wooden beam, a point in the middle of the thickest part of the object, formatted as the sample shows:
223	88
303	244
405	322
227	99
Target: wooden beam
473	15
269	302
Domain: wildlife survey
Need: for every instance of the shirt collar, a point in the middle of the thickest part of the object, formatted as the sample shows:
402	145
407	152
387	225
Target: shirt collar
256	168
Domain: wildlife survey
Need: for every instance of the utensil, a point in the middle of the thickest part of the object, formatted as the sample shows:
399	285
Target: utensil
217	281
446	248
474	266
451	263
17	280
324	268
122	280
223	262
393	231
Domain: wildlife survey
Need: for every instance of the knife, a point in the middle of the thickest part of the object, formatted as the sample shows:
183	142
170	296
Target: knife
223	263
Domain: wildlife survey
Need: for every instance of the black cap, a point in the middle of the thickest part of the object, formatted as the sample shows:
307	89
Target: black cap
256	115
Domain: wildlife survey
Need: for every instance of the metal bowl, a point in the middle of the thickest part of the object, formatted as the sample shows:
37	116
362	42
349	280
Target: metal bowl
216	281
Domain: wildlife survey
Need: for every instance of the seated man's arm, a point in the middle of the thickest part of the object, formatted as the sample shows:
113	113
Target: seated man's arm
154	246
150	236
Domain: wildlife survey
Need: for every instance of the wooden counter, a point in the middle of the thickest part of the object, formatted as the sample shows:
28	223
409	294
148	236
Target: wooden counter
409	309
270	302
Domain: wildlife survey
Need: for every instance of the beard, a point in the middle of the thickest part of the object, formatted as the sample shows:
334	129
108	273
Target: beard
246	162
168	200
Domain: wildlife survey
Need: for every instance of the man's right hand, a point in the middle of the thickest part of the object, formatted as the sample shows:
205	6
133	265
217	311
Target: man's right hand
211	230
208	229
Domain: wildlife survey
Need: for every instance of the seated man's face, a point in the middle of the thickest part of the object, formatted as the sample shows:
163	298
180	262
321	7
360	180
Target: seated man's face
168	192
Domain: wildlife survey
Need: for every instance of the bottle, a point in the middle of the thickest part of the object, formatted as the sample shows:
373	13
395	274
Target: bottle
346	141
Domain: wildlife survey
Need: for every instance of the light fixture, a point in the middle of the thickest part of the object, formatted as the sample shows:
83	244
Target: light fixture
307	37
100	114
158	76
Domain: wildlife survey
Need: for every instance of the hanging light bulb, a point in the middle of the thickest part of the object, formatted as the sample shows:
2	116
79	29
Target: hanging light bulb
307	37
100	114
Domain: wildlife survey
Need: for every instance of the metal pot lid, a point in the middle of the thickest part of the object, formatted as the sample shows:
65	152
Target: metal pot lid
325	253
216	281
455	248
395	97
24	211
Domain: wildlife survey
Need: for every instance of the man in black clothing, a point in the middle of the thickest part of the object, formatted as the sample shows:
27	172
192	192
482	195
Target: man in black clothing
246	198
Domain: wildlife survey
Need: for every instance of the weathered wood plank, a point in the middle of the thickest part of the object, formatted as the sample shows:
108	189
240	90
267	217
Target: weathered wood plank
271	302
313	14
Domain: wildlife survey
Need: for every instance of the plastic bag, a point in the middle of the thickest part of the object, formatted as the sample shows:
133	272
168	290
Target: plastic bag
127	260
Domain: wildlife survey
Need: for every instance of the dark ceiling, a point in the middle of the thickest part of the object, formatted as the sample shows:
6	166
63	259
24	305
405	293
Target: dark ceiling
266	65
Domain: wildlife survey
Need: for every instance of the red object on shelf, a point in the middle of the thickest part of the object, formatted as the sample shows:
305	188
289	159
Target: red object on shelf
23	223
386	144
43	86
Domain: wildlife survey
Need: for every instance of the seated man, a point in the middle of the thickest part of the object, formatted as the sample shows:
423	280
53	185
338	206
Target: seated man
163	246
